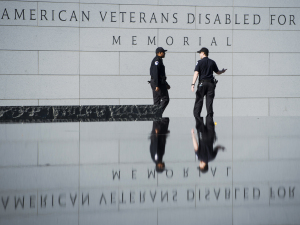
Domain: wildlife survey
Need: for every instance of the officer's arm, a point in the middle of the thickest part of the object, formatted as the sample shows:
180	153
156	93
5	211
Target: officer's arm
221	71
155	75
195	144
216	150
196	74
216	69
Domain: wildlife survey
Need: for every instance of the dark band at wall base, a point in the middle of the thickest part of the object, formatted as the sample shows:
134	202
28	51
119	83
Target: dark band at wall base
85	113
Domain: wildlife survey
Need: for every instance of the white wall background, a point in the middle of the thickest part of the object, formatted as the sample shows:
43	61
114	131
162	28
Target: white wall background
53	62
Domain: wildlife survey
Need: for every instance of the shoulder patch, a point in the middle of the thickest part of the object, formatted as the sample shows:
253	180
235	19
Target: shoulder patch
156	62
197	63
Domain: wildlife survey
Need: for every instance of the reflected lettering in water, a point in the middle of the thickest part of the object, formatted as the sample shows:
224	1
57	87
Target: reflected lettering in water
101	172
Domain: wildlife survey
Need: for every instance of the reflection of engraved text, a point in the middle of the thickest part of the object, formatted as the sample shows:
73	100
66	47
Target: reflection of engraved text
148	197
214	171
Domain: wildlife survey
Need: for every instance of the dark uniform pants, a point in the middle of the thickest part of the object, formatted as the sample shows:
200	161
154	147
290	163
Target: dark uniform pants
206	89
160	97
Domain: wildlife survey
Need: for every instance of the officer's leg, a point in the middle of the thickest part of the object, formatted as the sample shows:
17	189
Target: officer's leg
210	125
156	95
209	99
164	98
199	124
199	101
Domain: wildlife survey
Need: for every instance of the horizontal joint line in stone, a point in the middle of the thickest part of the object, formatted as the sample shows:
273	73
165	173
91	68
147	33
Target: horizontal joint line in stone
139	51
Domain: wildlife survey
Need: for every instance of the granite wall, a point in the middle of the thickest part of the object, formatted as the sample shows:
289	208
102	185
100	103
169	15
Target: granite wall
87	52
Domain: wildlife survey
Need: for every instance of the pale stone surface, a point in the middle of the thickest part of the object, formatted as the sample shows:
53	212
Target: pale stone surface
39	87
284	107
251	64
267	3
19	62
99	63
265	86
39	38
250	107
255	41
59	62
284	64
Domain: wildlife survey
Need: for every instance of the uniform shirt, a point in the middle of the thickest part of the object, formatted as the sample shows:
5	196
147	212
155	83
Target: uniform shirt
206	67
206	152
157	71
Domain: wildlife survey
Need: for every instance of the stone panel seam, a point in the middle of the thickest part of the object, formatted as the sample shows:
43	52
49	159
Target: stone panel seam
134	28
124	75
119	11
269	107
195	14
269	72
79	173
139	51
44	75
79	32
269	147
37	8
38	52
175	29
158	4
232	117
232	75
38	152
140	98
269	18
158	44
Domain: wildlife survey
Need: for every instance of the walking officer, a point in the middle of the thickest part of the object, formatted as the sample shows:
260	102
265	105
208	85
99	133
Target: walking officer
158	139
204	149
207	83
158	81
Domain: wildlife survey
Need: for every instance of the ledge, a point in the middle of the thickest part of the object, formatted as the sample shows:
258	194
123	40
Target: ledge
84	113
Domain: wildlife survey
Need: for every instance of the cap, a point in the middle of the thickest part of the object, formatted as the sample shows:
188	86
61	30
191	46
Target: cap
160	49
205	50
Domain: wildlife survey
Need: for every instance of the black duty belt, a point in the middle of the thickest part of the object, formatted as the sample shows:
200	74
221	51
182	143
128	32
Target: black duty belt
162	81
207	81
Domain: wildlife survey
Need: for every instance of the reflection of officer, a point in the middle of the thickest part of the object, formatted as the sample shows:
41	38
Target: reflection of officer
158	142
206	136
158	81
206	86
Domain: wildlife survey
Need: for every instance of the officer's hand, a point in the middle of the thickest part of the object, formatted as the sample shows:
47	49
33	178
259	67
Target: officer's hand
192	88
168	87
223	70
220	147
157	89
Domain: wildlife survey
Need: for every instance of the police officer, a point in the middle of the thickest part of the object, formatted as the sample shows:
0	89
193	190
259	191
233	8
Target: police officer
158	81
204	149
207	84
158	138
